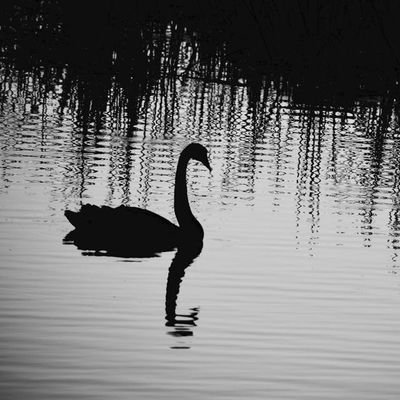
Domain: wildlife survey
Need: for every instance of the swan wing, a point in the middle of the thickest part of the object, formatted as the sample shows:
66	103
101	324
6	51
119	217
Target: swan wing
91	217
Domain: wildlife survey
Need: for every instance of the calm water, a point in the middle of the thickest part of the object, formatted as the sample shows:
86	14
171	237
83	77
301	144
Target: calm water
296	294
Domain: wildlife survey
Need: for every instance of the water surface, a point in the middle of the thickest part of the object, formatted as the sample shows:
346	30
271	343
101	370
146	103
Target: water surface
295	294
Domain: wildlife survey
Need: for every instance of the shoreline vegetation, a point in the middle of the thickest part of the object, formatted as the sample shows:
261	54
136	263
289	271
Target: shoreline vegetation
120	67
319	53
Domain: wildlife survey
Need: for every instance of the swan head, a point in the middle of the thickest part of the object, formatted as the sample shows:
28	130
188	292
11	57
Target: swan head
199	153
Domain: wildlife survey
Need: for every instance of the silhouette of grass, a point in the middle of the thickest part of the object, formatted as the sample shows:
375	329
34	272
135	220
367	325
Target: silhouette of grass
110	56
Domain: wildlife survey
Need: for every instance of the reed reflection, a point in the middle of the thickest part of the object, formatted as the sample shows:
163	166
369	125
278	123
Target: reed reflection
312	126
157	80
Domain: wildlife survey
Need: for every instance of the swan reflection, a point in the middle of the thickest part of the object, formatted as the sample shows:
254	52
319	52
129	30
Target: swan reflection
182	323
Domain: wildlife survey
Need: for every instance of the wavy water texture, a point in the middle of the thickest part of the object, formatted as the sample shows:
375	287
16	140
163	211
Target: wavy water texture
295	294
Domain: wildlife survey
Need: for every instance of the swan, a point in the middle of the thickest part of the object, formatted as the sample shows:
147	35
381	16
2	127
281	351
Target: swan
136	231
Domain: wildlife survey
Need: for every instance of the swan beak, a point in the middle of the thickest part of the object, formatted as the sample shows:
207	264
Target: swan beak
207	164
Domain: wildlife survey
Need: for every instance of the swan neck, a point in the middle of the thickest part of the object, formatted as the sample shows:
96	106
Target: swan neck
182	208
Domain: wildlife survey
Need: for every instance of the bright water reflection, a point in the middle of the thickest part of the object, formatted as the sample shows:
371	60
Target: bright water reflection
294	295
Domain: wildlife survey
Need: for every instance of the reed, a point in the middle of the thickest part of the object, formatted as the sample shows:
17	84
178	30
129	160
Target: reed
106	52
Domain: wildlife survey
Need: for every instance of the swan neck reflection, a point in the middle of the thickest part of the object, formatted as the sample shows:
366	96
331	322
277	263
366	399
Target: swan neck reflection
184	257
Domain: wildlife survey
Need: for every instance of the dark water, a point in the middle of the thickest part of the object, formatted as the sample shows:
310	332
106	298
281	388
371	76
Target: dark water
295	294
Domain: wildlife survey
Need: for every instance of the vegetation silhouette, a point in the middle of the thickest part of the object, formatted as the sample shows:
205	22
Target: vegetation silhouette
117	67
110	56
132	231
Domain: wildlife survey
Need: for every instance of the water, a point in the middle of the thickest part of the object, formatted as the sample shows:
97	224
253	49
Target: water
295	294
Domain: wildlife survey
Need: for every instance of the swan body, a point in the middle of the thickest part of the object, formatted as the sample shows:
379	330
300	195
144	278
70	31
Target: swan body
135	230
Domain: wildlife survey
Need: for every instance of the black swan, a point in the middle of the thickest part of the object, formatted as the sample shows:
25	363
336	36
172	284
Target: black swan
133	231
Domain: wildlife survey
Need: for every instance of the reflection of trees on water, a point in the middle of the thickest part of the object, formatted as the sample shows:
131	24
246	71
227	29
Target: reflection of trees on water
114	94
347	151
311	125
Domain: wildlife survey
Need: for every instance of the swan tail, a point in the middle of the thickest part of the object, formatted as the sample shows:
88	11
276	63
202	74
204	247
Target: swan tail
87	217
72	217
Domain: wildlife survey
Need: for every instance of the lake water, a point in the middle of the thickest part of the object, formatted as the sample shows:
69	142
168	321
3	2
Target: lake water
295	295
